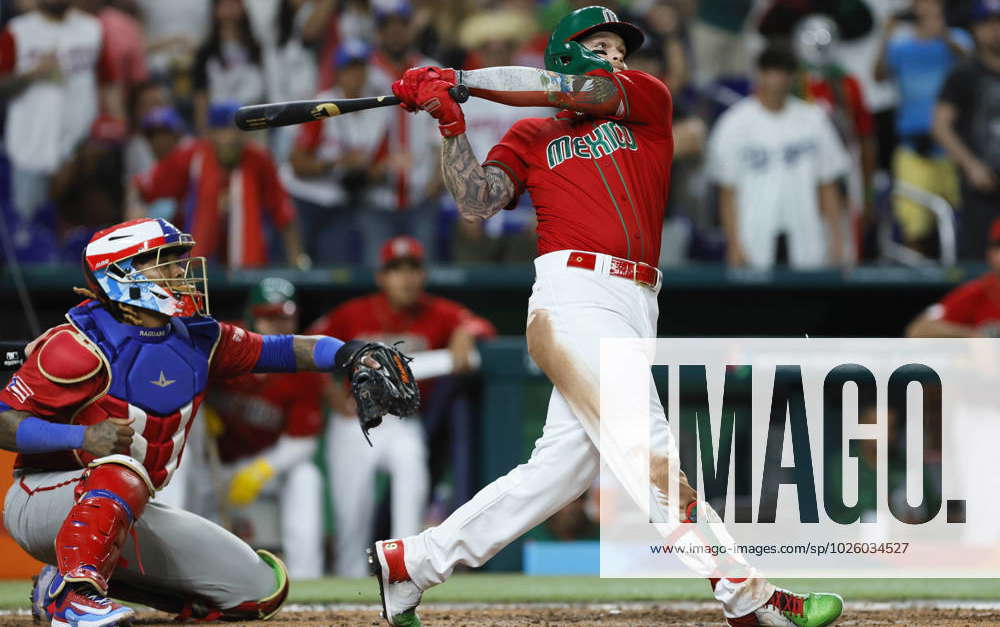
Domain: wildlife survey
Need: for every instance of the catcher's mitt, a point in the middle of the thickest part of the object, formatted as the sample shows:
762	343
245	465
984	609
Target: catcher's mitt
388	389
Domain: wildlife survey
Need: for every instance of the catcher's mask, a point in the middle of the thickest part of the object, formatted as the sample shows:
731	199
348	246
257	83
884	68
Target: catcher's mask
144	263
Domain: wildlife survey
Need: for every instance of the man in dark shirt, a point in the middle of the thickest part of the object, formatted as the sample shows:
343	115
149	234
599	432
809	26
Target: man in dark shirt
967	125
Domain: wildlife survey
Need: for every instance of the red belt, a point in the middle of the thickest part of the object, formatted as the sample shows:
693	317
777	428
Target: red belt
641	273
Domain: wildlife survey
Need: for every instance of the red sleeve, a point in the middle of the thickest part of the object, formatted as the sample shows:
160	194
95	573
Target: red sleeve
645	99
168	178
277	202
304	416
8	52
309	137
507	155
959	305
236	353
864	123
31	391
107	73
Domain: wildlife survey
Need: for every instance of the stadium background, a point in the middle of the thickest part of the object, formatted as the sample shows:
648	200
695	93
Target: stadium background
876	293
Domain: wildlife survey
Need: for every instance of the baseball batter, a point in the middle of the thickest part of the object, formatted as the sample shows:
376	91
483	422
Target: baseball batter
99	415
598	175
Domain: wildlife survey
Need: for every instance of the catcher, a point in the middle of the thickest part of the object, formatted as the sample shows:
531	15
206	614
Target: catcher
99	415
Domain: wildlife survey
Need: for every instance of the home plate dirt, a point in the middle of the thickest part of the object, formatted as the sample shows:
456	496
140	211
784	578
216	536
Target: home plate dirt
915	614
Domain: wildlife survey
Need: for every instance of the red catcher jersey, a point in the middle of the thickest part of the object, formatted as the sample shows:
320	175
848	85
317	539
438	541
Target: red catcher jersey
257	409
975	303
597	184
236	353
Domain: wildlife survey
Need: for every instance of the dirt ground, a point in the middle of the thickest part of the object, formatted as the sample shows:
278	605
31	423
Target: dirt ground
581	617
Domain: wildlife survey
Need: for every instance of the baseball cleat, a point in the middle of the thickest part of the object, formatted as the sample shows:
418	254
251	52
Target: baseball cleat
79	605
39	588
400	596
788	609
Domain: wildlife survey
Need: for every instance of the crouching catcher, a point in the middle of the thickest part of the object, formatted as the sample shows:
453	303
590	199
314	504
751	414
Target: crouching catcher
99	414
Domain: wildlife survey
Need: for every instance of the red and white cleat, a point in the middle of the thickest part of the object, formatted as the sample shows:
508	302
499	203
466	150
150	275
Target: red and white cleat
400	596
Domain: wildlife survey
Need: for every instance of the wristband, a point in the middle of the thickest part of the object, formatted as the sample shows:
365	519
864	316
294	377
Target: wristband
35	435
325	352
276	354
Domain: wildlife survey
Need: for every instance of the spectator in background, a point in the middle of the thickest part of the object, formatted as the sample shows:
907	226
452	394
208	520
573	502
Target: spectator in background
492	38
967	125
667	37
55	73
174	29
229	64
143	98
124	38
920	56
720	47
331	170
89	189
971	309
160	132
290	32
776	160
408	201
823	81
228	194
400	311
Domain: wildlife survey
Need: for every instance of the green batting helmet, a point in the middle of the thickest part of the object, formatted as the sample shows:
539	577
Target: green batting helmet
565	55
273	297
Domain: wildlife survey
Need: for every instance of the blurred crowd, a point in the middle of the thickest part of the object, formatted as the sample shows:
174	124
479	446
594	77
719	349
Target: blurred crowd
808	133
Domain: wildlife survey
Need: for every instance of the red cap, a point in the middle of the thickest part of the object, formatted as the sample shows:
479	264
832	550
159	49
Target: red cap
995	232
402	247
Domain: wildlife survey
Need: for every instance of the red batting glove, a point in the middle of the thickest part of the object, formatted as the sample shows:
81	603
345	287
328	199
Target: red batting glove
433	97
407	93
418	75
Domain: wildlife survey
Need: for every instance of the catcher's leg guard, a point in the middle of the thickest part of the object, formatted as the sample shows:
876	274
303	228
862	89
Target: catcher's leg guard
198	607
109	499
269	605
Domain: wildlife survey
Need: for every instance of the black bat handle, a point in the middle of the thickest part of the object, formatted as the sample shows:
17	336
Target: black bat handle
12	354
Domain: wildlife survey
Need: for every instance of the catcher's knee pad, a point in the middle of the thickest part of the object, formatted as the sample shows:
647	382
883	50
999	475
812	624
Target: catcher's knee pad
268	606
109	499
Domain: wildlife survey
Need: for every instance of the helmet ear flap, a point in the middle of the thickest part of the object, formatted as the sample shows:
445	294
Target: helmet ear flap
571	57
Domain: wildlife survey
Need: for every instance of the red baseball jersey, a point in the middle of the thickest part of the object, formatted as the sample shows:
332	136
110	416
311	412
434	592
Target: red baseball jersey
426	326
73	401
257	409
597	184
975	303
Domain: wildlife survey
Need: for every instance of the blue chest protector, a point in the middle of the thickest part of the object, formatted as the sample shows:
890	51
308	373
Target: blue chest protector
159	370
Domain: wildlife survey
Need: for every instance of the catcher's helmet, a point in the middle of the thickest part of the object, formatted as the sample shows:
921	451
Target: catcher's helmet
273	297
565	55
169	282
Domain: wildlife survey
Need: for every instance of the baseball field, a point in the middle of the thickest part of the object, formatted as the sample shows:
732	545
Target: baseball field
515	600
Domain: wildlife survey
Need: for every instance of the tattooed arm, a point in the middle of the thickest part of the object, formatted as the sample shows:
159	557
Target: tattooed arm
532	87
479	192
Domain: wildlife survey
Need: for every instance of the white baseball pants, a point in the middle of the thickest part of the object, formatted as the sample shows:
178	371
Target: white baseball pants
569	311
400	450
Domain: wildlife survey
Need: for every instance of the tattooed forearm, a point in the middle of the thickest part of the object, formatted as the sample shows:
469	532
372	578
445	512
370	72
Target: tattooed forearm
532	87
479	192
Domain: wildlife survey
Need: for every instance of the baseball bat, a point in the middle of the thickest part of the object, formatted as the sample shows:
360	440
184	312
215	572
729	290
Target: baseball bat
256	117
13	355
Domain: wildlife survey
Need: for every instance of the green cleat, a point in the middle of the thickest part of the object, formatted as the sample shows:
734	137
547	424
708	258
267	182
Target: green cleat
788	609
